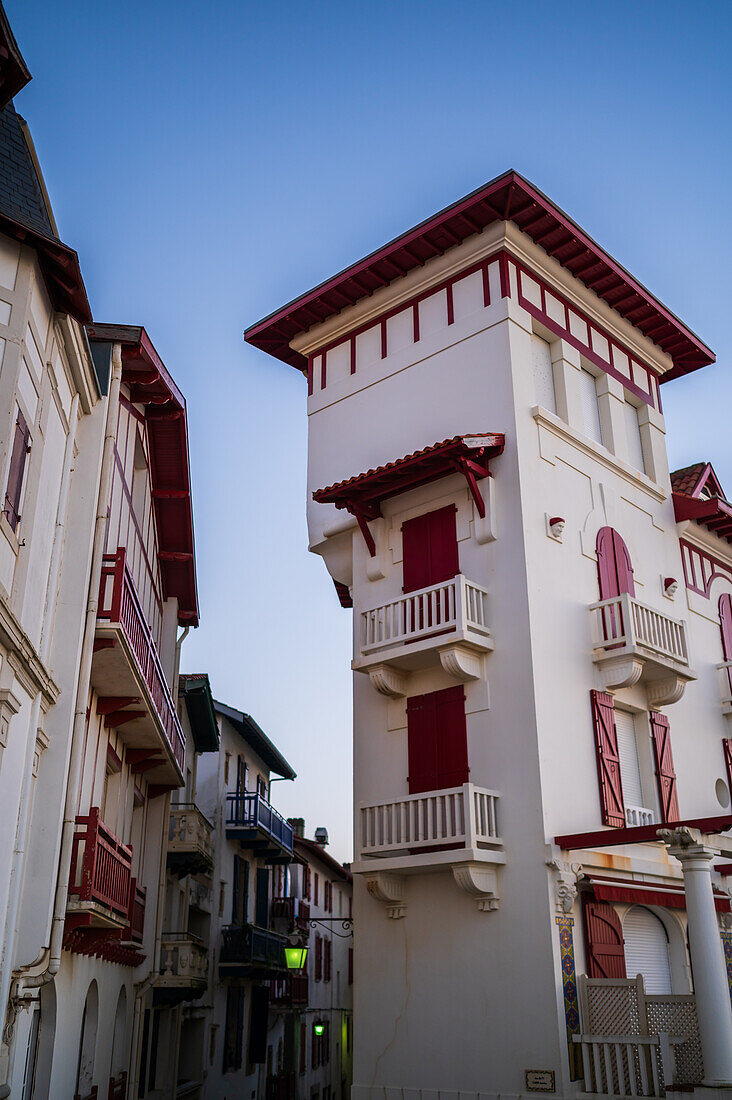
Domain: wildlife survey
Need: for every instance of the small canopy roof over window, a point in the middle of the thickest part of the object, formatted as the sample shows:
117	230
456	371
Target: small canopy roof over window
698	495
363	494
150	385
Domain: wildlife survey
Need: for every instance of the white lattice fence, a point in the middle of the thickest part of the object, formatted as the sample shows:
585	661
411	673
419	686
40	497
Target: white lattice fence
678	1015
611	1006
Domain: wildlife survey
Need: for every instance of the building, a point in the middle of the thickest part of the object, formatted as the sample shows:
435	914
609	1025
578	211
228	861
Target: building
540	651
97	574
312	1039
252	842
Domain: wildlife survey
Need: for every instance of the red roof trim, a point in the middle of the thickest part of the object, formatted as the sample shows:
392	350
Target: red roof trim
60	269
509	196
640	834
165	415
365	492
714	514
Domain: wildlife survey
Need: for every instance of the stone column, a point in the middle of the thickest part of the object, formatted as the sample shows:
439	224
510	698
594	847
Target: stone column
707	958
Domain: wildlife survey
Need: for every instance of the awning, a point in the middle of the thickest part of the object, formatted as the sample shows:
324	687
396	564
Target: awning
714	514
363	494
642	892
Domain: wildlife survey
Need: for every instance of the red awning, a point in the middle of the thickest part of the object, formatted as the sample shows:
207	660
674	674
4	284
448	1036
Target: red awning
714	514
643	892
366	491
509	197
165	414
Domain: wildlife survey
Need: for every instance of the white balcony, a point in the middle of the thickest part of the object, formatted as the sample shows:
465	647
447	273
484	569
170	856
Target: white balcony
639	815
635	642
446	623
183	968
726	672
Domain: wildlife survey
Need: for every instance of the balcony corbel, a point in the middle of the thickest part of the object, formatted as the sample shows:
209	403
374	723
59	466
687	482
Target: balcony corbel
619	672
388	889
462	662
480	882
661	693
388	680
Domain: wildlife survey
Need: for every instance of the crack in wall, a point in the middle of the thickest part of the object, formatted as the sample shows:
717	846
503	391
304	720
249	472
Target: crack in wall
398	1018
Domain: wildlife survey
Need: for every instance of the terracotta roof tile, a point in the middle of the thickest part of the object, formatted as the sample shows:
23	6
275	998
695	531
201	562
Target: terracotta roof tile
687	479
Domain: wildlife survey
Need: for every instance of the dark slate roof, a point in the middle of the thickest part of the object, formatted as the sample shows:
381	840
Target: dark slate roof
257	739
21	196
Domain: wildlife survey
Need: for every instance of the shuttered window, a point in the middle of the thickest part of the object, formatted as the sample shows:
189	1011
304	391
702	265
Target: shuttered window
603	940
234	1028
590	409
318	959
608	761
725	625
429	549
18	458
303	1047
257	1047
727	746
437	740
541	361
630	773
614	567
646	949
665	772
633	437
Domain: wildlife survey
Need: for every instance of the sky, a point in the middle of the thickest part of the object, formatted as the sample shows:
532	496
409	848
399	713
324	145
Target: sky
209	162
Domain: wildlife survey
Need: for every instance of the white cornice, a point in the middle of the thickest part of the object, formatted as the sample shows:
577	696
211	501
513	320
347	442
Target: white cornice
27	665
473	250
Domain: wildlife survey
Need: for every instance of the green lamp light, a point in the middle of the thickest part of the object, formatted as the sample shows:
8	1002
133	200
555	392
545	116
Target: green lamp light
319	1029
296	957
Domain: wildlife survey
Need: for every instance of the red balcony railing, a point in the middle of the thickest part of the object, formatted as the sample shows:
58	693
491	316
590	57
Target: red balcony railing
294	910
292	990
101	865
136	912
119	603
117	1087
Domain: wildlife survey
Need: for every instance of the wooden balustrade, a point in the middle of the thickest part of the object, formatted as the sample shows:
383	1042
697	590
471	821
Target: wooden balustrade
456	604
101	865
463	816
117	1087
624	621
627	1065
119	603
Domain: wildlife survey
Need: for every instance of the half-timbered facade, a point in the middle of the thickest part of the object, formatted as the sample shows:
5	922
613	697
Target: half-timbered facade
540	656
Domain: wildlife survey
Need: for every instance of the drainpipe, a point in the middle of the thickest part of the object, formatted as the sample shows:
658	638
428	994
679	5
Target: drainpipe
176	672
24	981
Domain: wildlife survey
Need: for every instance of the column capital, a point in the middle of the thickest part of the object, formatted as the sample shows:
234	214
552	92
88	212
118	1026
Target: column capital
686	844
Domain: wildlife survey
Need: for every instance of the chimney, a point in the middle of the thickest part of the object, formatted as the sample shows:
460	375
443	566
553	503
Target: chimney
298	825
321	835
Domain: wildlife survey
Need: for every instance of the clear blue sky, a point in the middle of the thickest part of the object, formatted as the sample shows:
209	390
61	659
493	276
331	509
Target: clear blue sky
211	161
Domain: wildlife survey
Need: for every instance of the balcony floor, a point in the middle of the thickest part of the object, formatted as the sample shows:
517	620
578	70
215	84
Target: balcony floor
420	863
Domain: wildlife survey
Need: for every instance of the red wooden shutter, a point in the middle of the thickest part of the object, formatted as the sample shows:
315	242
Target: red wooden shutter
350	966
429	549
604	944
725	623
608	760
437	740
318	958
21	447
316	890
614	567
664	767
727	746
451	739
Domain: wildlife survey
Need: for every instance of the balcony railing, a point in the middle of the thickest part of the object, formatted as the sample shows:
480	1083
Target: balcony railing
118	1087
292	990
726	670
465	817
454	605
639	815
101	866
119	603
628	1065
249	947
294	910
250	816
183	961
624	621
190	838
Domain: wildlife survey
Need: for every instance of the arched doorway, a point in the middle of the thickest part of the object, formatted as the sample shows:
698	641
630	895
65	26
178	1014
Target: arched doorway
646	949
88	1041
119	1040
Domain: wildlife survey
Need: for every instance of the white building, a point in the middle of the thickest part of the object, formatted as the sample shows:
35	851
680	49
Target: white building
536	654
251	842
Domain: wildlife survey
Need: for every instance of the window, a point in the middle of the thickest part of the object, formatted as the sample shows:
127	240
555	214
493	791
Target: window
590	408
541	355
429	549
630	772
646	949
614	567
18	458
240	891
603	940
327	960
437	740
307	884
315	889
227	760
633	437
318	959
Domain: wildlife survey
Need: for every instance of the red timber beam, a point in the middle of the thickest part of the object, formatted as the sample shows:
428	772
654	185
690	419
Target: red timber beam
640	834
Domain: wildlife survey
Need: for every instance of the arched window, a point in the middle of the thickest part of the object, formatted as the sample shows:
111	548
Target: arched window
646	949
614	569
88	1042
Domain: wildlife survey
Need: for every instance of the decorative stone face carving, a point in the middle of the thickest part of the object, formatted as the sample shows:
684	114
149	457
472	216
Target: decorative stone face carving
566	884
555	527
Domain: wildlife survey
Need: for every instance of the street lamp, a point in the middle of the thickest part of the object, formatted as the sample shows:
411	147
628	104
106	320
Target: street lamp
319	1028
296	956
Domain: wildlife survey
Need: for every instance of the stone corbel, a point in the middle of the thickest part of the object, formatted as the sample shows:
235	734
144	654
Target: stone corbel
376	565
9	705
479	881
566	884
461	662
388	680
663	692
42	743
618	672
388	889
484	527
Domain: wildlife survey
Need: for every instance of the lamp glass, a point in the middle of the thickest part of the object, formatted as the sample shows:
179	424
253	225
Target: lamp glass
296	957
319	1029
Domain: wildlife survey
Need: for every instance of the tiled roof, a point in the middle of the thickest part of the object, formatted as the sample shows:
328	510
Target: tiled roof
686	480
21	196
